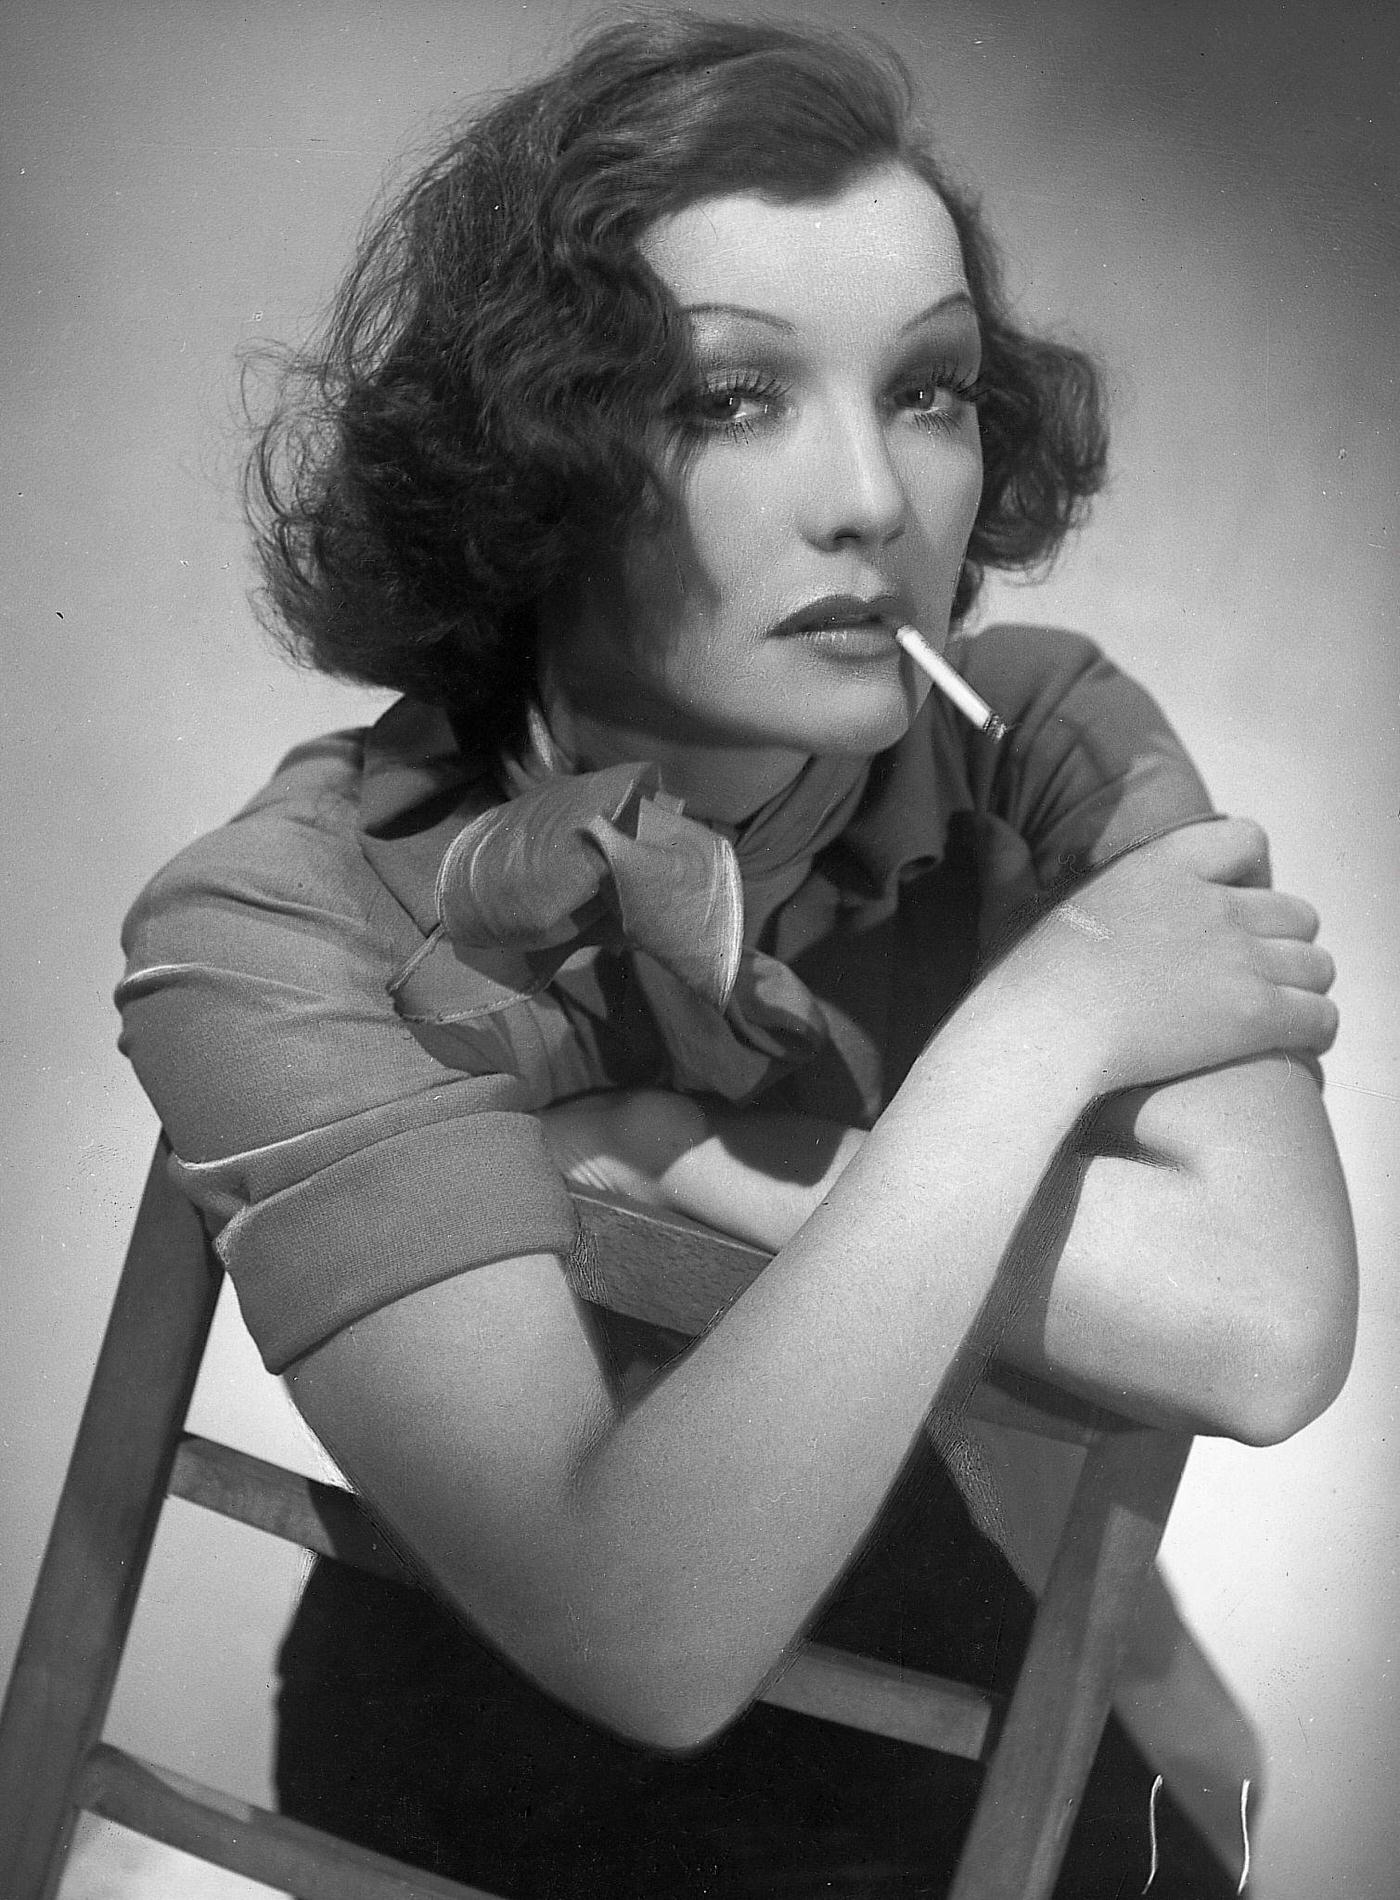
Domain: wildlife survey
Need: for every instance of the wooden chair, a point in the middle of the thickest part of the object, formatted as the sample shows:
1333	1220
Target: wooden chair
132	1450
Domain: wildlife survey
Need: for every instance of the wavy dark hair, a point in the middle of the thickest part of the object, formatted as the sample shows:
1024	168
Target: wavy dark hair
472	417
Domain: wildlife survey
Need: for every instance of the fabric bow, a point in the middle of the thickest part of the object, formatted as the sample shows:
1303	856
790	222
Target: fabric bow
606	858
576	864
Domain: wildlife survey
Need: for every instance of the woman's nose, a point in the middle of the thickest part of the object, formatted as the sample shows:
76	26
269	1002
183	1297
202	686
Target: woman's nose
856	492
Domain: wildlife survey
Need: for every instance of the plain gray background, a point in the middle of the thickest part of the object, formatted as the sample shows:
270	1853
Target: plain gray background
1203	192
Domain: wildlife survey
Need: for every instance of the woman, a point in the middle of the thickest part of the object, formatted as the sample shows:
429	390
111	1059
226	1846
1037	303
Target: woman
648	414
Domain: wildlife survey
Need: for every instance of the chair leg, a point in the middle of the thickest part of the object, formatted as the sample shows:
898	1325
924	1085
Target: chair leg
1056	1718
106	1519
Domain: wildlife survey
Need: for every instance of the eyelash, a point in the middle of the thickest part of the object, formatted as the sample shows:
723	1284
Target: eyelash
760	387
754	385
963	387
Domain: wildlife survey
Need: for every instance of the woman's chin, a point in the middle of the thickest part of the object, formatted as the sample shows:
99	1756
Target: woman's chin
867	717
856	715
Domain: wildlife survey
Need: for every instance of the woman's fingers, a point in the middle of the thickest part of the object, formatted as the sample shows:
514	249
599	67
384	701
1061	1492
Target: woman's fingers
1297	965
1310	1021
1225	850
1178	957
1275	914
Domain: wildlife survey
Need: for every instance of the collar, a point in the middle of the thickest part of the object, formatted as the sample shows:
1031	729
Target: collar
870	823
507	892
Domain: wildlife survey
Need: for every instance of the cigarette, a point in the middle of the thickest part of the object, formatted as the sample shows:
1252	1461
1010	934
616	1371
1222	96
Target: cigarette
971	705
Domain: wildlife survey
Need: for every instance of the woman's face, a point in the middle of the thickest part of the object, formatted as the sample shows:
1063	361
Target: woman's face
827	474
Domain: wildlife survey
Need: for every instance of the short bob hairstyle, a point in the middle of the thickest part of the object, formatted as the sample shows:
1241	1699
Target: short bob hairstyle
471	420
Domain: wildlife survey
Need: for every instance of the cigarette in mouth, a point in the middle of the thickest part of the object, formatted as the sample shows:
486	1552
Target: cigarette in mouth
971	705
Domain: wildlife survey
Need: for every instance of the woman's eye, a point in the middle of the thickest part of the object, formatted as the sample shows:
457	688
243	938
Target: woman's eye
730	405
939	398
925	396
732	408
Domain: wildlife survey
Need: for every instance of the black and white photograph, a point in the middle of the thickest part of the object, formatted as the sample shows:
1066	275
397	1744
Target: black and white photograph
702	792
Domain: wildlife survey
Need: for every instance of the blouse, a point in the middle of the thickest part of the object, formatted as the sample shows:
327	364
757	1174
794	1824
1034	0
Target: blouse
349	1003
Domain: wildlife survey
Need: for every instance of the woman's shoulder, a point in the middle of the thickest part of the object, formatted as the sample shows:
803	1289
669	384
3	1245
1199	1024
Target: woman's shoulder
1061	693
292	852
1015	665
1091	764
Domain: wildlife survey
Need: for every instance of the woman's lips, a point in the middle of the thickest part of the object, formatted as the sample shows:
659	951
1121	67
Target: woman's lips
855	640
843	625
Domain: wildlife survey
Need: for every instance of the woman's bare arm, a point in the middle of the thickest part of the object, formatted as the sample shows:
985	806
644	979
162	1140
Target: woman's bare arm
1193	1267
649	1562
1209	1275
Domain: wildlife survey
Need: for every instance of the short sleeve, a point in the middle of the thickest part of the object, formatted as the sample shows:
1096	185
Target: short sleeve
1091	767
338	1164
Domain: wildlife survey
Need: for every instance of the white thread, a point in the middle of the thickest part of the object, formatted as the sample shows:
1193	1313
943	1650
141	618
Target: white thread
1244	1829
1152	1829
1081	921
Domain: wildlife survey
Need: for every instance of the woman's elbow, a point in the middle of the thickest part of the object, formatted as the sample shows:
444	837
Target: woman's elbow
1286	1371
667	1710
653	1680
685	1727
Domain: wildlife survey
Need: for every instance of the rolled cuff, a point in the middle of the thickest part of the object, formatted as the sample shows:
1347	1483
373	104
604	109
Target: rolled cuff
409	1211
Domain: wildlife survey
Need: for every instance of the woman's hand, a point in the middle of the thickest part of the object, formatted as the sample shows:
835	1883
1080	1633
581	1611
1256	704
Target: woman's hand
649	1558
1175	958
623	1141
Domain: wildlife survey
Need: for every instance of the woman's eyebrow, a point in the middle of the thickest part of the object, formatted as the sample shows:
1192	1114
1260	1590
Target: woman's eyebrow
956	300
959	300
739	310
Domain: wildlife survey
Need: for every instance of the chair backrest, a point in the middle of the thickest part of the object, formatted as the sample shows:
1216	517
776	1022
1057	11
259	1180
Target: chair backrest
132	1450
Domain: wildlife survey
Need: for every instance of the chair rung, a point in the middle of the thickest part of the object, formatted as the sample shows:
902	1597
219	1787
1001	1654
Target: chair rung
248	1840
906	1705
320	1517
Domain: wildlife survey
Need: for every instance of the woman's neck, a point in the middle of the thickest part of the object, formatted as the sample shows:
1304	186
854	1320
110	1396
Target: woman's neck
724	784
